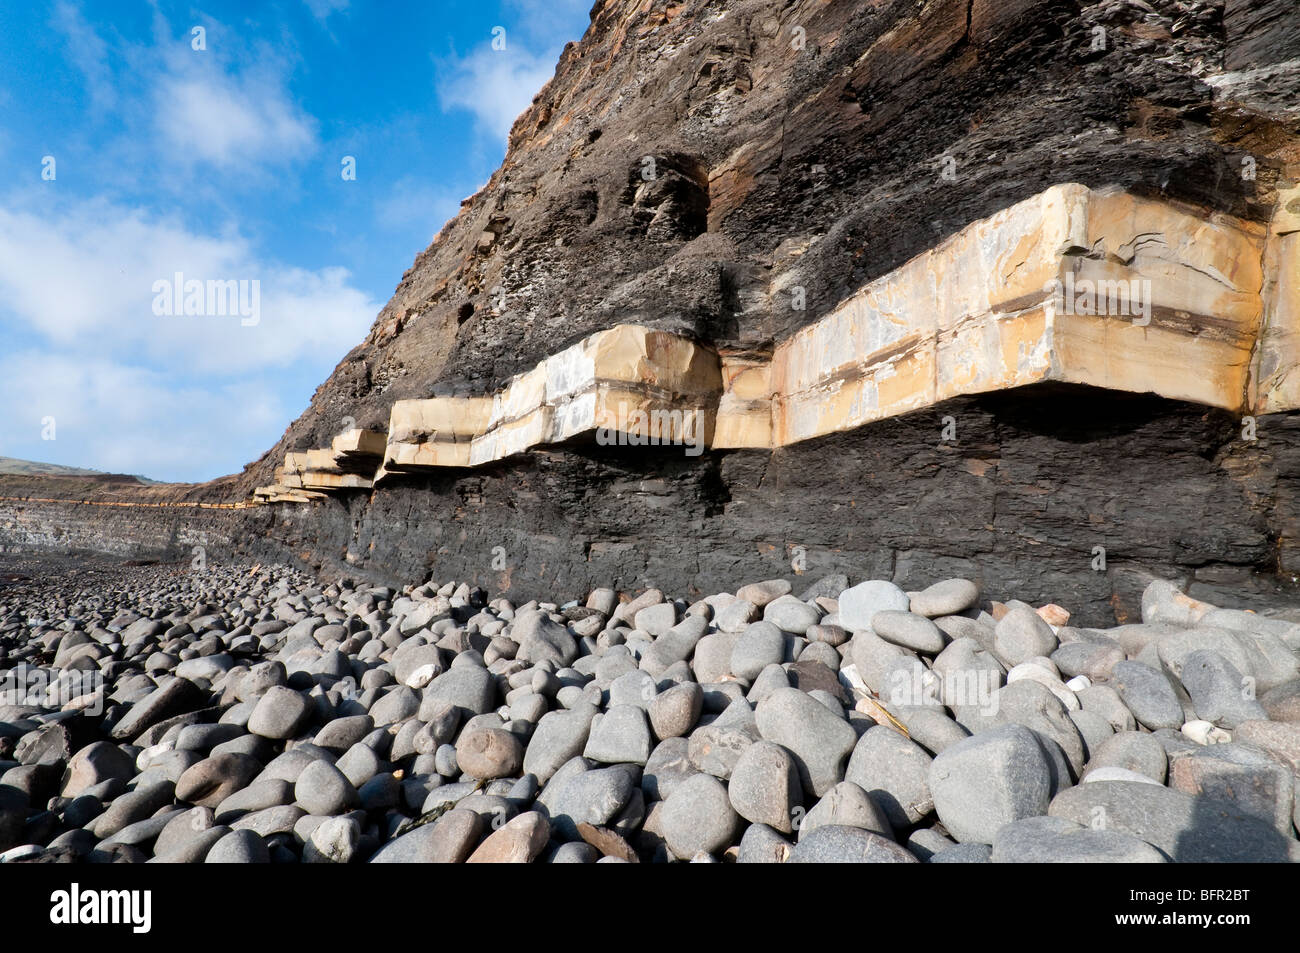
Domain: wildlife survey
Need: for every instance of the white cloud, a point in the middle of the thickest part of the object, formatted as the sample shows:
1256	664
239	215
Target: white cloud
205	114
494	85
171	397
125	419
323	9
83	280
88	52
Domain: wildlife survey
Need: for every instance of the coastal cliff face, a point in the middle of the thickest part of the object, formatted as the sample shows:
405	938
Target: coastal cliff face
812	145
732	173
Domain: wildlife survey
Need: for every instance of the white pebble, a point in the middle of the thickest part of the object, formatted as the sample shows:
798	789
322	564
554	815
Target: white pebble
1205	733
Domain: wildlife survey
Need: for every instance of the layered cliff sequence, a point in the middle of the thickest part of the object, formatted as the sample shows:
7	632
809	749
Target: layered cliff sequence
726	242
838	432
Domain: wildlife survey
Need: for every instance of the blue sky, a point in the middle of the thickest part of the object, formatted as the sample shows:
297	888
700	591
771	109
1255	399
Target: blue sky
128	156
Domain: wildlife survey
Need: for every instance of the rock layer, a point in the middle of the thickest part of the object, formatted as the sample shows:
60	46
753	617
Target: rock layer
754	178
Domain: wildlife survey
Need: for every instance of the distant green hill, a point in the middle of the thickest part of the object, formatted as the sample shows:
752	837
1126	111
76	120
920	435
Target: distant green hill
31	468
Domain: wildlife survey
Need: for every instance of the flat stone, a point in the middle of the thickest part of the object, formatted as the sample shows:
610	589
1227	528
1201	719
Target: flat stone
1054	840
791	615
817	738
594	797
1184	828
859	604
212	780
833	844
621	735
895	773
762	593
280	713
1147	694
761	844
238	847
698	816
559	736
674	712
760	645
333	841
1132	751
324	789
269	792
174	696
1022	634
1218	691
1280	739
271	820
949	597
910	630
541	638
450	839
832	635
608	842
487	753
97	762
988	780
133	806
342	733
1247	777
764	787
519	841
846	805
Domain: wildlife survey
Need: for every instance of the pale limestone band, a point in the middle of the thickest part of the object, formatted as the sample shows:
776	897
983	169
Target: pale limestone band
1094	287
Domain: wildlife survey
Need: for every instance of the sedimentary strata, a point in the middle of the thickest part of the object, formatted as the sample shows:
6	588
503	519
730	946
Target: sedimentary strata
693	171
1087	287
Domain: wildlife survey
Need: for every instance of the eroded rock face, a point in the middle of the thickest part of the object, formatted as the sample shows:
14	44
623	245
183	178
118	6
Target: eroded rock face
1085	286
803	146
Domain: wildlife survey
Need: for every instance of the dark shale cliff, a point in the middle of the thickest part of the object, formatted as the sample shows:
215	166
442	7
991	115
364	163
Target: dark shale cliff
801	144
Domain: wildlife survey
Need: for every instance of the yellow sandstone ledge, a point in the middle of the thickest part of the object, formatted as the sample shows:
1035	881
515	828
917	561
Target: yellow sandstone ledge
1094	287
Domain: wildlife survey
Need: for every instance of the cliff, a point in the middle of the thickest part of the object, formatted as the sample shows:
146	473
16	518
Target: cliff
814	206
